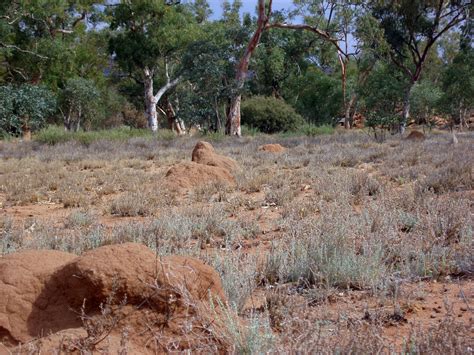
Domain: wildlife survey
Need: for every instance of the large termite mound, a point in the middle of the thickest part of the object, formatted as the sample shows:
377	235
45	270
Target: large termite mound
416	136
23	281
272	148
189	175
204	153
108	289
206	167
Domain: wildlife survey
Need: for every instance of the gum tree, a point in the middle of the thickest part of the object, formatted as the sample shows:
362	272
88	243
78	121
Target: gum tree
149	38
411	28
233	116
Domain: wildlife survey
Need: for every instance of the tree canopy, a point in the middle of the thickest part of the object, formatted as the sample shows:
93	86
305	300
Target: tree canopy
87	64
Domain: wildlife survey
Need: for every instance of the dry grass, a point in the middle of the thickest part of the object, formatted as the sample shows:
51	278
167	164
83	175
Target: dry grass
329	215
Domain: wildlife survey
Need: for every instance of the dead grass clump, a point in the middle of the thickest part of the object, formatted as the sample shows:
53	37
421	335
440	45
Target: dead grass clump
216	191
453	176
132	205
253	335
448	337
279	197
73	198
239	274
326	257
364	185
254	180
80	219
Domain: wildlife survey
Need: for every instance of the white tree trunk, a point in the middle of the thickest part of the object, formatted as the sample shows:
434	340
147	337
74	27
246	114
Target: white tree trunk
233	123
406	109
152	100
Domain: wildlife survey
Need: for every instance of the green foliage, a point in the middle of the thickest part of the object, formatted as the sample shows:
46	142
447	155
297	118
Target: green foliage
311	130
80	102
270	115
148	31
54	135
250	131
320	98
458	85
209	65
47	41
25	107
424	98
383	93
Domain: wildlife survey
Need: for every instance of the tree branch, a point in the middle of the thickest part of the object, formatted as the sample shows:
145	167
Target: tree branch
11	46
323	34
166	87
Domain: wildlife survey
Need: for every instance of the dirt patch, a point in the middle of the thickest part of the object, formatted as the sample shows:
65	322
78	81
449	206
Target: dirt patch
43	292
416	136
272	148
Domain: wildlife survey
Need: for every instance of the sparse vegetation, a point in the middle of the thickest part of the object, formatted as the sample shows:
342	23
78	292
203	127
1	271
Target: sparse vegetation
366	221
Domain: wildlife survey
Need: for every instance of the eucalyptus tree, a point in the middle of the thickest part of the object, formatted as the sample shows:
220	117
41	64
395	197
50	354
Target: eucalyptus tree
234	117
332	21
38	39
210	68
411	28
148	40
79	102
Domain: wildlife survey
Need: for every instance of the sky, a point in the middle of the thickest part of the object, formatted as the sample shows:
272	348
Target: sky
248	6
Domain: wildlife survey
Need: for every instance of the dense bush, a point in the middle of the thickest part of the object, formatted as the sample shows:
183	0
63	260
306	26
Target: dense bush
24	108
80	103
424	98
270	115
320	97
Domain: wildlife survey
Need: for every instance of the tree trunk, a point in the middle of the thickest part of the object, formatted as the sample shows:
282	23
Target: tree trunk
343	63
174	123
150	102
347	115
218	116
79	116
67	120
406	109
233	118
233	122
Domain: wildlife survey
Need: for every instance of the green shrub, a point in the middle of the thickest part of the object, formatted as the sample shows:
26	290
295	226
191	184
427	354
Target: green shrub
54	134
24	107
311	130
249	131
213	136
270	115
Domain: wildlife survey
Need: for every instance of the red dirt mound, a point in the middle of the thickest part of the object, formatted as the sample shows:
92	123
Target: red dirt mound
204	153
23	279
189	175
416	136
272	148
206	167
145	294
